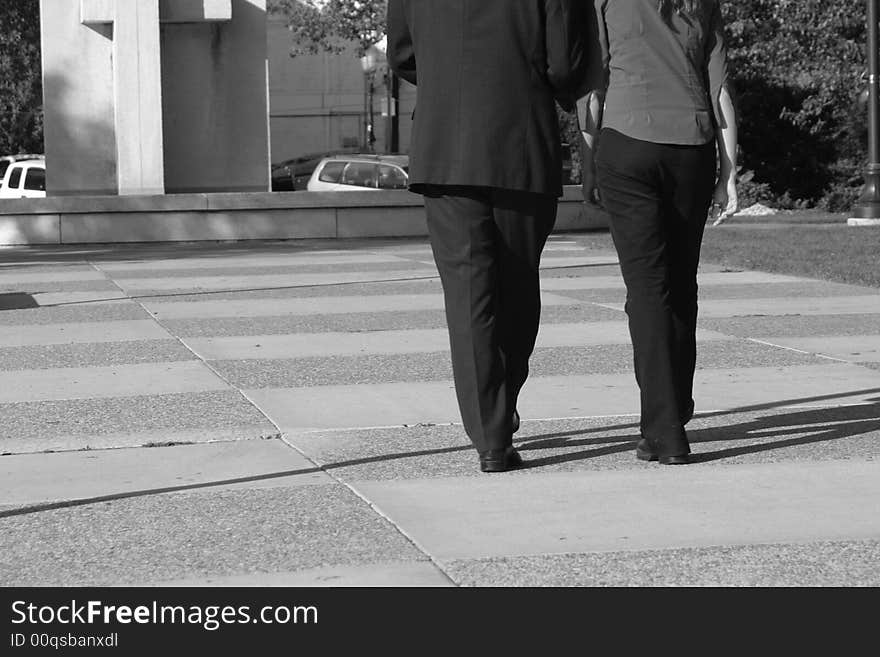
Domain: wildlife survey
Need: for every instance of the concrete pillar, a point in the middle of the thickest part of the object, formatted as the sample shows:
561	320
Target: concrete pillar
78	105
137	90
214	100
148	96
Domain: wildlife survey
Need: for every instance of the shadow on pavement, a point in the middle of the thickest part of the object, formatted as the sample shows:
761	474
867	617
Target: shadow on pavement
827	424
17	301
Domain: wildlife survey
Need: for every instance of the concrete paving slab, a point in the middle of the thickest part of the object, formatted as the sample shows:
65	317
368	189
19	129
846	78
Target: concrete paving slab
100	312
98	354
708	293
22	276
613	359
372	288
851	348
846	305
29	479
795	325
551	249
804	288
360	322
385	574
408	341
478	517
262	307
825	563
42	266
365	369
130	421
101	438
578	261
139	285
107	381
218	270
704	278
160	538
62	286
81	332
113	295
128	268
547	397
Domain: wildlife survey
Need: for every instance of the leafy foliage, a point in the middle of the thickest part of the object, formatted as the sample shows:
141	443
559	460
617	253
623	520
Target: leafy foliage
332	25
21	91
797	67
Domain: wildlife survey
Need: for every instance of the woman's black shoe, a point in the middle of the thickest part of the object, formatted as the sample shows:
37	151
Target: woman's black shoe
645	453
500	460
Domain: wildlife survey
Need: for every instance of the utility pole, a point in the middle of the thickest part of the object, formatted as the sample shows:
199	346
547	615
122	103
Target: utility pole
392	120
866	211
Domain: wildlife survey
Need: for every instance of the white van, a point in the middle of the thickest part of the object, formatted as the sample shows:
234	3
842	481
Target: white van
24	179
352	173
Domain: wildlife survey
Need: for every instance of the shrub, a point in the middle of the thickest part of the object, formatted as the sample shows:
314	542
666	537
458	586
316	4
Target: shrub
796	66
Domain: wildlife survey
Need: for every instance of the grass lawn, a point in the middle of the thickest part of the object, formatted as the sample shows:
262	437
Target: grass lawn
832	252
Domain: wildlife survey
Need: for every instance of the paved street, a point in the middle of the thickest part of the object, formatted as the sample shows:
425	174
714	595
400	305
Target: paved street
283	414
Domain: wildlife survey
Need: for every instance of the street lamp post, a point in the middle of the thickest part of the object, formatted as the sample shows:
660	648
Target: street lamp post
392	133
371	62
866	211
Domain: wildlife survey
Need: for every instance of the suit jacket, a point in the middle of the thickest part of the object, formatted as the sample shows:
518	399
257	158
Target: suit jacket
487	74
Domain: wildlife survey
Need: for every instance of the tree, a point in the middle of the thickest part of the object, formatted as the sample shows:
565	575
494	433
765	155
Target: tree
332	25
796	67
21	90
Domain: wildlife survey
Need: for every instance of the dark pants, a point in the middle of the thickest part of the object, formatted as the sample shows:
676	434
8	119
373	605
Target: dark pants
487	244
658	197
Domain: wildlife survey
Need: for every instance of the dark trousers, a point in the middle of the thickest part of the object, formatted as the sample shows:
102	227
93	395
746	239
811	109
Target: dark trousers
658	197
487	244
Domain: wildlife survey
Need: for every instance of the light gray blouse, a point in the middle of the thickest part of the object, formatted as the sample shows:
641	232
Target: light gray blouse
662	79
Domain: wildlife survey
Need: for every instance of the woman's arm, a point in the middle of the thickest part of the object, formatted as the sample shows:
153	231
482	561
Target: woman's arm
725	201
589	114
591	105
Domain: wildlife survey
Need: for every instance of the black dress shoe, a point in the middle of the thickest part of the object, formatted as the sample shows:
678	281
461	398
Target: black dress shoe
500	460
645	453
515	423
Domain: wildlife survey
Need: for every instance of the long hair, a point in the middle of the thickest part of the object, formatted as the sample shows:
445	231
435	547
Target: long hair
691	8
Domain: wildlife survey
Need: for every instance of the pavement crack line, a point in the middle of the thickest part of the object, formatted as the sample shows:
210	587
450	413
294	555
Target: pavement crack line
197	356
376	509
797	351
280	435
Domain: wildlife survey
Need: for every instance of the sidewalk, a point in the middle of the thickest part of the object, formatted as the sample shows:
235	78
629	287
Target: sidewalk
283	414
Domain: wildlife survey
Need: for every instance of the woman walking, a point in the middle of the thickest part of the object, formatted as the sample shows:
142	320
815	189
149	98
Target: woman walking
660	140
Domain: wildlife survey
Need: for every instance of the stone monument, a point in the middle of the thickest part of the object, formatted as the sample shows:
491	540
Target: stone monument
146	97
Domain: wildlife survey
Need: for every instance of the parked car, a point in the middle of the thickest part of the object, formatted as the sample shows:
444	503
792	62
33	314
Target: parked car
6	160
24	179
348	173
294	174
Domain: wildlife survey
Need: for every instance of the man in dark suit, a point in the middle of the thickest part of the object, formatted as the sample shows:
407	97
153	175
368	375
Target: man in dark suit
486	154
